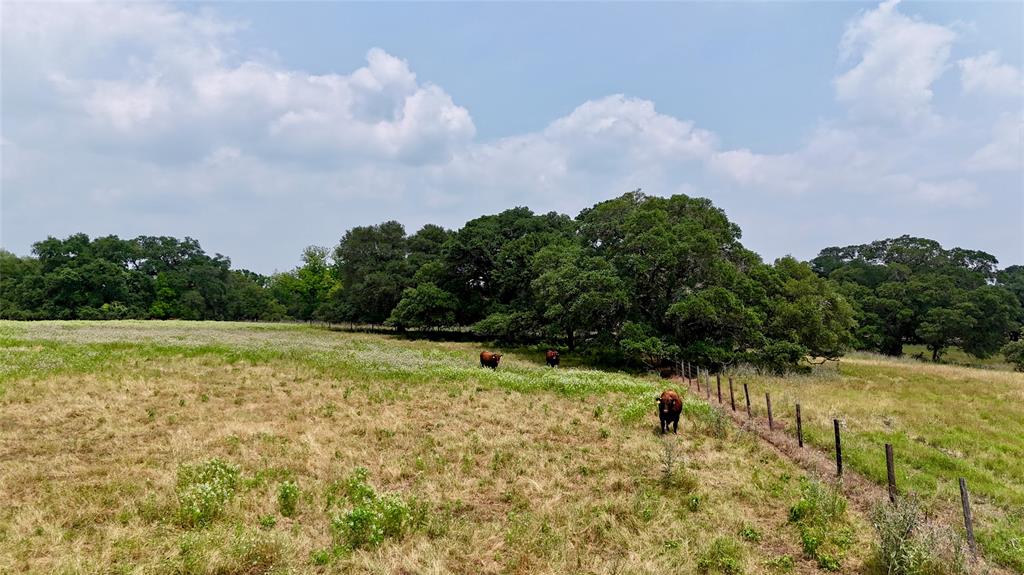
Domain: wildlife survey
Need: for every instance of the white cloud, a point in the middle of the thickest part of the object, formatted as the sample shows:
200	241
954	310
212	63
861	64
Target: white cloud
898	58
127	106
986	74
1005	151
175	81
151	112
958	192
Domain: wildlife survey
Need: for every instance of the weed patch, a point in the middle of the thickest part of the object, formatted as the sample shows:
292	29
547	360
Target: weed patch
909	545
820	517
371	518
203	491
287	498
724	555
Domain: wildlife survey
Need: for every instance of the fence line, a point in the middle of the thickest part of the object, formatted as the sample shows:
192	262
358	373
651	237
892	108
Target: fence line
836	425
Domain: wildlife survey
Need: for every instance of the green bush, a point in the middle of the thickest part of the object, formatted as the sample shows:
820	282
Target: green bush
820	516
287	498
268	522
371	518
750	533
909	545
780	357
724	555
1014	354
204	489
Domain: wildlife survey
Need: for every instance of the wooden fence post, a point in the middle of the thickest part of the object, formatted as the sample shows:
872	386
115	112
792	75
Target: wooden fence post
718	380
965	499
698	380
839	449
746	393
707	385
732	396
799	427
768	400
890	468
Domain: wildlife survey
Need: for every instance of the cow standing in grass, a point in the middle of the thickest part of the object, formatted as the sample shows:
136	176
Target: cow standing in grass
488	359
669	408
552	358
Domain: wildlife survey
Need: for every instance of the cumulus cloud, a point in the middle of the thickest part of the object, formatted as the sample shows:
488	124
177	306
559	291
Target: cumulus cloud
1005	150
987	75
898	58
179	83
162	126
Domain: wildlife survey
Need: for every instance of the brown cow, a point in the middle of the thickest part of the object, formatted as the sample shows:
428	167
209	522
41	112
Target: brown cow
669	408
488	359
552	358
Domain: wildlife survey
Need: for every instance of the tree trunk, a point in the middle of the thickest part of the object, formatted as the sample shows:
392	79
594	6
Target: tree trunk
571	339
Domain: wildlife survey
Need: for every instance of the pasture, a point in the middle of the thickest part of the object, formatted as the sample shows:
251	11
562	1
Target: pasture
201	447
943	421
521	470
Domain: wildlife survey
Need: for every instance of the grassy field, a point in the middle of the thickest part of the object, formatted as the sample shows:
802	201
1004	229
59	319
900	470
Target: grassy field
173	447
957	356
944	422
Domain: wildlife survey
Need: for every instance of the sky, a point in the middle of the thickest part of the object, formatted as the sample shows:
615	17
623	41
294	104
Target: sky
260	128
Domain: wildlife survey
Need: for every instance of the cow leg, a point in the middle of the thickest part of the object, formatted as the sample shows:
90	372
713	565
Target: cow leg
675	426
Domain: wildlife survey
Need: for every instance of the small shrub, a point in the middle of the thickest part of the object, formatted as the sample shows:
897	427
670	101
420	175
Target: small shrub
253	552
781	564
287	498
820	516
909	545
204	490
268	522
372	518
724	555
321	556
750	533
1014	354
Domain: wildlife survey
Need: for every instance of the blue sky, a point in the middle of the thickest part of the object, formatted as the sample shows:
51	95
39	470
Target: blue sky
259	128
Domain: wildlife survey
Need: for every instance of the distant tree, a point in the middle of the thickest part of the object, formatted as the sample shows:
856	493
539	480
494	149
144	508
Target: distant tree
510	326
21	286
912	290
249	300
641	343
426	245
804	309
575	293
487	262
943	327
994	312
372	264
713	325
1014	354
424	306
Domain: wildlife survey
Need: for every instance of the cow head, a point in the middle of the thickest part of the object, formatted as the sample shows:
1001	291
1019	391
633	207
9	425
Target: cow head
666	403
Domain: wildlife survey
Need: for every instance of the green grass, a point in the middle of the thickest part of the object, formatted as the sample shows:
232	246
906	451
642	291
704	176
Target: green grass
957	356
944	422
121	441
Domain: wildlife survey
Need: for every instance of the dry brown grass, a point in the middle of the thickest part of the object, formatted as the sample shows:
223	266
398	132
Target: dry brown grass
537	482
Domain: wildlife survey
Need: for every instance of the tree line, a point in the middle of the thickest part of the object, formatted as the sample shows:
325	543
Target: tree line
640	280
